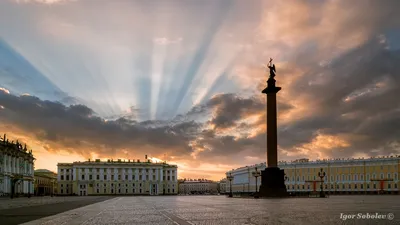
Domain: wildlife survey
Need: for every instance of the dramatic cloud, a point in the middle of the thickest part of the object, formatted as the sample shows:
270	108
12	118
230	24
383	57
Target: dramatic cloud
166	81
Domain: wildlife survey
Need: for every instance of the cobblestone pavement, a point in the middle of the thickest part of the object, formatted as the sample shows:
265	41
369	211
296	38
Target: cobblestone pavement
8	203
17	211
202	210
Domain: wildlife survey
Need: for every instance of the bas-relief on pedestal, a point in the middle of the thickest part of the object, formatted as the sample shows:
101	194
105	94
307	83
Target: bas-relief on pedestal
272	178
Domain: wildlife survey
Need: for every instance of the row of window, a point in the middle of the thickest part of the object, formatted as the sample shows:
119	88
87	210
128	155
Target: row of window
348	169
115	170
119	191
338	186
83	177
349	177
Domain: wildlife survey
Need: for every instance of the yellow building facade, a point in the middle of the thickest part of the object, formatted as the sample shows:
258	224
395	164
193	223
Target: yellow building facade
342	176
117	178
45	182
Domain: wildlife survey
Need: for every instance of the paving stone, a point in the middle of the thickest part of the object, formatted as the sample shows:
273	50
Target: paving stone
220	210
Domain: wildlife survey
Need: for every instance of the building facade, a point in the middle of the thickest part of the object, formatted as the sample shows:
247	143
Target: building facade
45	182
222	186
342	176
198	187
16	168
117	178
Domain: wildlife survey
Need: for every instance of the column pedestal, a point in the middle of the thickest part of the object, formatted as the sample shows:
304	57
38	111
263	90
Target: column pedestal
273	183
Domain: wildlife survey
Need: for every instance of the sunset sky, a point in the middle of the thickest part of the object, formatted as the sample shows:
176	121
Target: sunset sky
181	80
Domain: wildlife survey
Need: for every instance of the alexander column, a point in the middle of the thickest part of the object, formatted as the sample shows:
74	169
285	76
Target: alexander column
272	178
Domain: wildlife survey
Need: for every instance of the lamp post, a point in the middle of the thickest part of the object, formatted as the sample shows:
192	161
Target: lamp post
321	175
230	178
52	187
256	174
286	179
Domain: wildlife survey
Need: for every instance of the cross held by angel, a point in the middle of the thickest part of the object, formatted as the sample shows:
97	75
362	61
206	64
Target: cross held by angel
272	69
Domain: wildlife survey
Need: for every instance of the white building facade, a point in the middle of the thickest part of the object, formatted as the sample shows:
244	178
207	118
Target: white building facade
198	187
342	176
16	164
117	178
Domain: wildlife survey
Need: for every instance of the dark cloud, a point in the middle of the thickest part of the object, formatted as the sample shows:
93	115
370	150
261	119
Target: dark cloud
76	124
357	96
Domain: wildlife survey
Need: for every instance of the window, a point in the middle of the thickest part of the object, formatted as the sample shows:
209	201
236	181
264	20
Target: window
83	177
98	177
112	191
388	176
62	177
105	185
98	191
173	190
61	185
61	191
395	185
112	185
62	170
119	191
362	186
90	169
140	190
90	177
67	177
126	191
140	184
83	170
154	170
154	177
140	177
133	177
98	170
374	186
105	177
147	177
126	177
389	186
368	186
133	190
104	191
355	186
112	177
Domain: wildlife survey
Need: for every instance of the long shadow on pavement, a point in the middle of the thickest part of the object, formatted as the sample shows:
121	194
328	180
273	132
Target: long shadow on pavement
25	214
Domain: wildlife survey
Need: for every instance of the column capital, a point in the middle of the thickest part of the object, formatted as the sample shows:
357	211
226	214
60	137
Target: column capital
271	88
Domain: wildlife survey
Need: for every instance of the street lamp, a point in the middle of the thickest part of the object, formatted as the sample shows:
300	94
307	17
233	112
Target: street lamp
230	178
52	187
321	175
256	174
286	179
